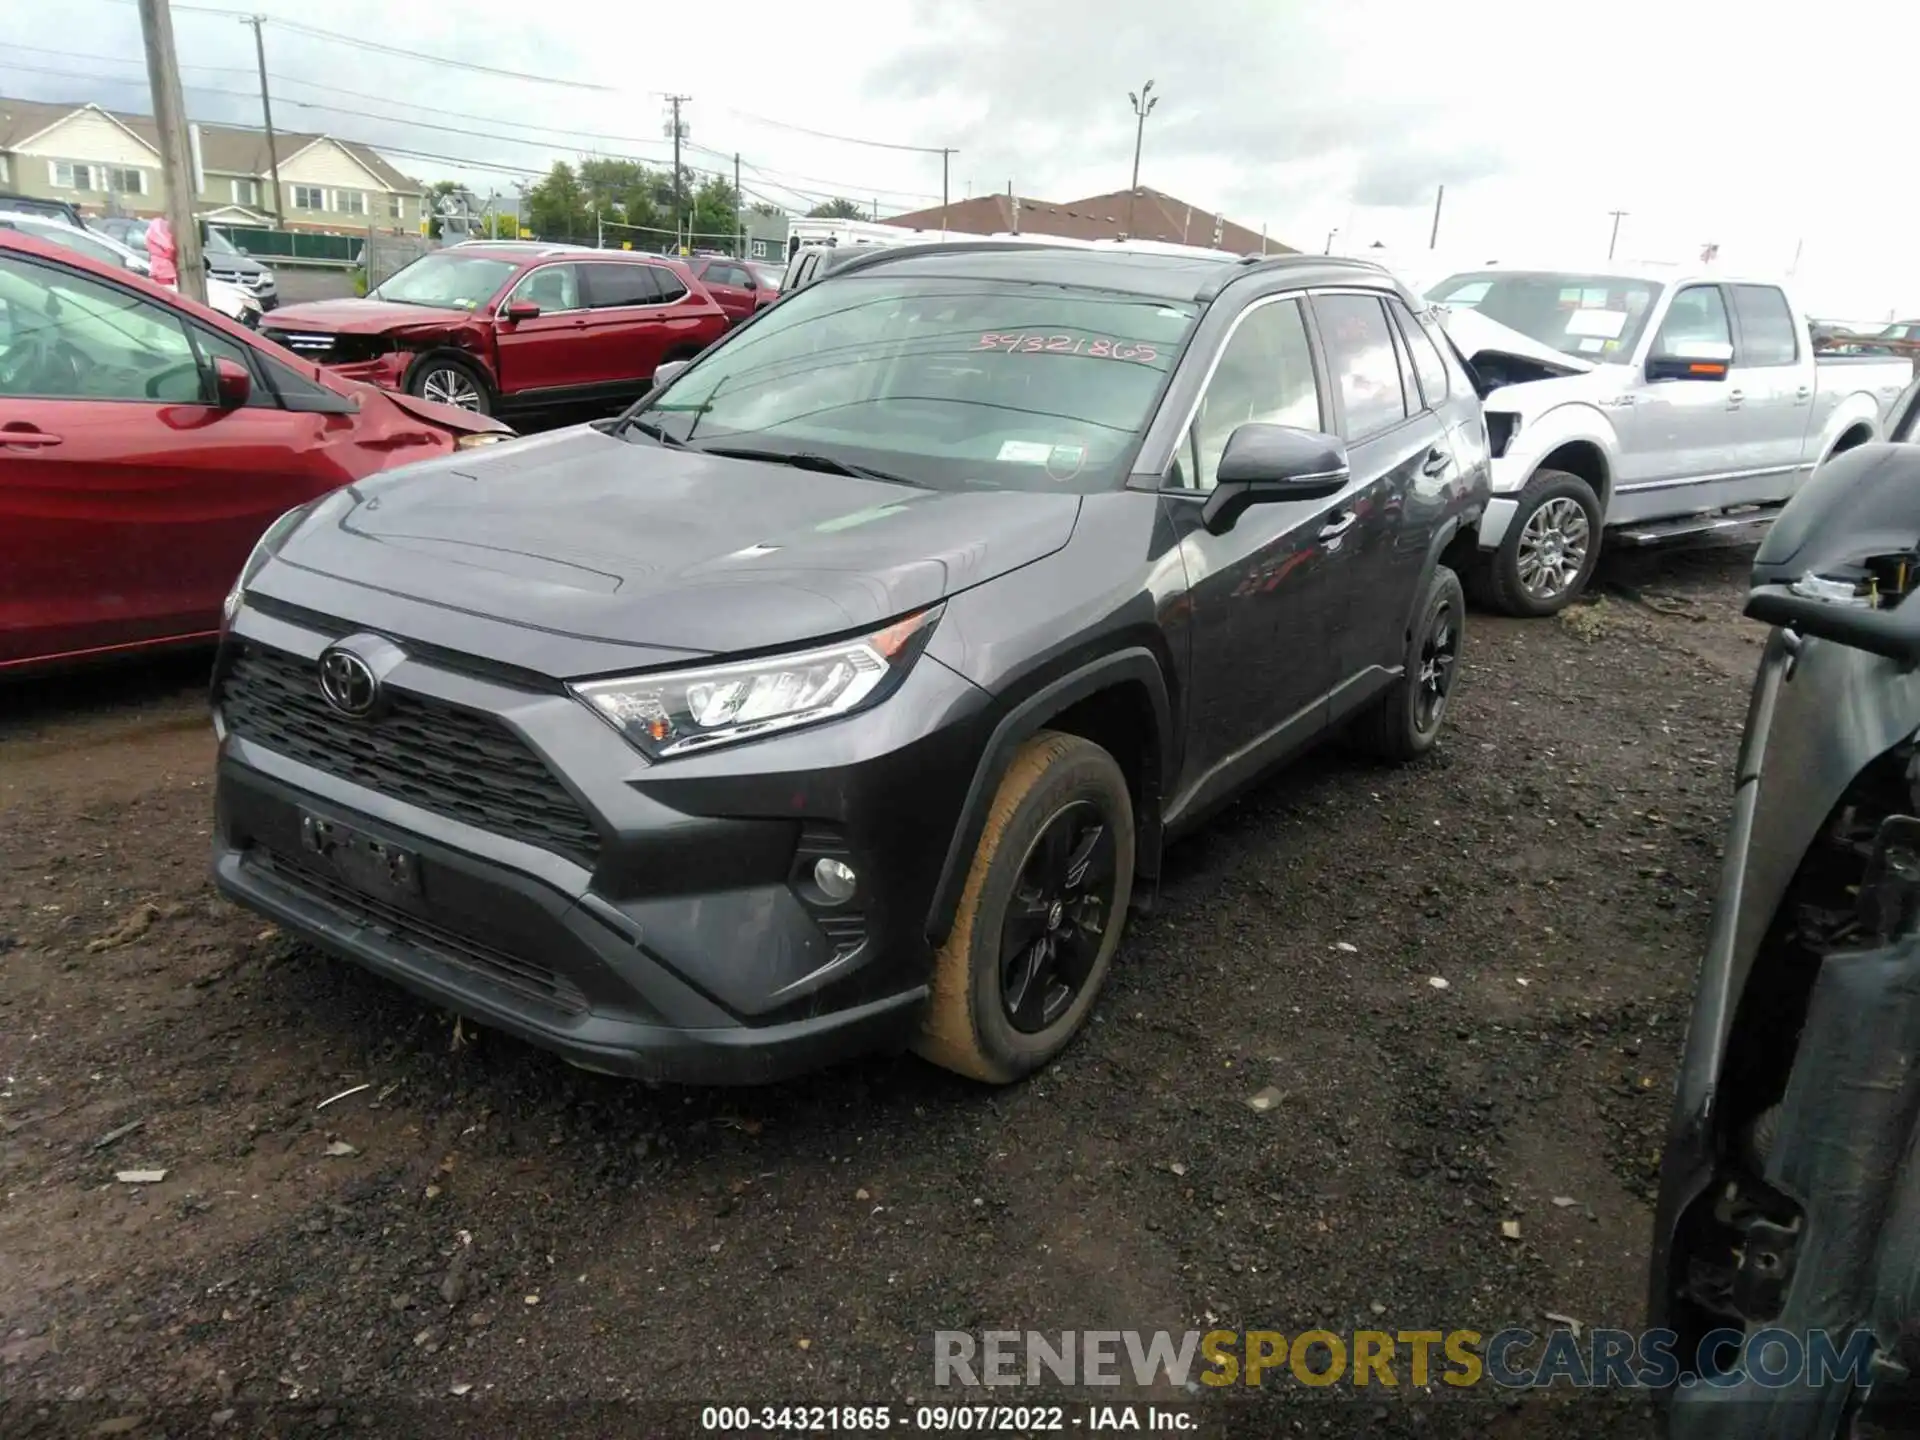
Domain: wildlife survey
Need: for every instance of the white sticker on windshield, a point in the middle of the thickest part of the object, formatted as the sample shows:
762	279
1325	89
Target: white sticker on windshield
1025	452
1590	347
1601	324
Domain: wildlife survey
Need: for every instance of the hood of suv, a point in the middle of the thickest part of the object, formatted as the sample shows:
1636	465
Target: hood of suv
586	535
363	317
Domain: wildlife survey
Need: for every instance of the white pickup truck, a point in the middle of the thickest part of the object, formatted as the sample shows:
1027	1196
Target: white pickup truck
1644	404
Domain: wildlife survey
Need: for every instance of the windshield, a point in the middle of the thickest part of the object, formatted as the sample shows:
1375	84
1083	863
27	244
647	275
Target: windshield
1596	317
769	276
219	244
945	382
454	282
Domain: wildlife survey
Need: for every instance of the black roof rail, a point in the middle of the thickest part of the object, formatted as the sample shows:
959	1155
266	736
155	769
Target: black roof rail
1247	265
868	255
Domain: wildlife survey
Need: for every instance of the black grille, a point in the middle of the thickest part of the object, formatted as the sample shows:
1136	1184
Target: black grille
453	762
524	978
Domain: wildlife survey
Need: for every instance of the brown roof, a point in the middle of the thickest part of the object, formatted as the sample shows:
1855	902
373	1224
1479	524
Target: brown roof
224	149
1098	217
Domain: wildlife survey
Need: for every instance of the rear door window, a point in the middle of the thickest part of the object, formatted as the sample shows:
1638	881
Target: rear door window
1768	335
670	284
1430	369
1361	362
615	285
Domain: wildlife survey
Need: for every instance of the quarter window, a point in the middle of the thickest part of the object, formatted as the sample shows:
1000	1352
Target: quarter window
1361	361
1768	335
1264	375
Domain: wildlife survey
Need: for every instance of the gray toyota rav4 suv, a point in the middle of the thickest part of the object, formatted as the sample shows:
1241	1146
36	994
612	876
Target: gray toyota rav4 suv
843	694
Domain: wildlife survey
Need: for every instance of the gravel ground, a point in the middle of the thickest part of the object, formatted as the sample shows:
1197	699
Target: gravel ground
481	1218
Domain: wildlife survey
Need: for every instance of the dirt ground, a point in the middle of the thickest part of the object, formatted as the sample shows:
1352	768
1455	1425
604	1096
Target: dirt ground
482	1220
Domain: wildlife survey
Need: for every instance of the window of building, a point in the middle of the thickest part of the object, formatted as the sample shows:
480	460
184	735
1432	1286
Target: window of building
65	175
245	192
350	202
126	180
309	197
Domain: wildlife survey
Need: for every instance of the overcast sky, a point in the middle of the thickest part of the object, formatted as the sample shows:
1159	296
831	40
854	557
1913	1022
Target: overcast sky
1765	129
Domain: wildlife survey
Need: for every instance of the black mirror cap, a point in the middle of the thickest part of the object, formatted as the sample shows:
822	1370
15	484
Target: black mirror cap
1861	504
1302	461
1266	463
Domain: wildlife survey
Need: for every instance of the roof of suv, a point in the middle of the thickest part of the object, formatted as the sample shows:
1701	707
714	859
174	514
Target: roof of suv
1137	272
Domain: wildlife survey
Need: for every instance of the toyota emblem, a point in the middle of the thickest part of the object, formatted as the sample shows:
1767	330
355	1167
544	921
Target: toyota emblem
347	683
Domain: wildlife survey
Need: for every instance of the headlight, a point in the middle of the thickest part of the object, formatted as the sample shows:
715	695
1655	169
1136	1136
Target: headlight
678	711
472	442
264	550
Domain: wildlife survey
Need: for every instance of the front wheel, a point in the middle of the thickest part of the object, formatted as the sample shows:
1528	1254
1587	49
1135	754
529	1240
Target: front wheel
1044	905
1550	549
450	382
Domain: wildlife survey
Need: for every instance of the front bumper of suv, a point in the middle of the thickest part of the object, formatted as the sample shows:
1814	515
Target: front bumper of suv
491	844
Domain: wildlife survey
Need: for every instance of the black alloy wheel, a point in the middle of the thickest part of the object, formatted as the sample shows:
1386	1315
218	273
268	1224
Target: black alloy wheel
1056	918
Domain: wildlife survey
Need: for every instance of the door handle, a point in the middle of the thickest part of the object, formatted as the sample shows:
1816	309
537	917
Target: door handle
1339	525
1805	392
1734	397
26	438
1436	462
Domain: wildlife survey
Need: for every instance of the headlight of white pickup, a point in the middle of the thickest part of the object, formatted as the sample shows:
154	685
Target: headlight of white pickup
677	711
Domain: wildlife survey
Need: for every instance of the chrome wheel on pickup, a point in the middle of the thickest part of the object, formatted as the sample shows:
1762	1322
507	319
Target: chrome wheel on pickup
1550	548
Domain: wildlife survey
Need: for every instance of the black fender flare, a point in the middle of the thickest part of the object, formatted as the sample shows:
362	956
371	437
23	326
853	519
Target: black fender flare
1444	536
1021	721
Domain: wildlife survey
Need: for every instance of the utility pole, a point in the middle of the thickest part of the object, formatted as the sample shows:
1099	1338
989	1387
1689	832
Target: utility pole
1330	234
266	112
945	157
1434	238
176	155
1617	214
678	131
1143	104
739	225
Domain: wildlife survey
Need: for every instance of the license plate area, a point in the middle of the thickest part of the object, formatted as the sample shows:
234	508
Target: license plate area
373	866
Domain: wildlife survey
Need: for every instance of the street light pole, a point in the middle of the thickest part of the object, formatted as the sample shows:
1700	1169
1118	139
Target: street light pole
1143	104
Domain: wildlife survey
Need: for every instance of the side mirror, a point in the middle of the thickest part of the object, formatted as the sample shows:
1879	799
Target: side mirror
522	310
1263	464
1691	360
232	385
667	371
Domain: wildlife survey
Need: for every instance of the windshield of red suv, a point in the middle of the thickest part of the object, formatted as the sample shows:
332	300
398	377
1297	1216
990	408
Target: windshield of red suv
449	282
946	382
1596	317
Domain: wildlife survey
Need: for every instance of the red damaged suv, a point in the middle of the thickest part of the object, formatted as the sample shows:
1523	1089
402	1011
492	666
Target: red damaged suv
509	328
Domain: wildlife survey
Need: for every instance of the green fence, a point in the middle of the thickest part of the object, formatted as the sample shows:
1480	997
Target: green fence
295	245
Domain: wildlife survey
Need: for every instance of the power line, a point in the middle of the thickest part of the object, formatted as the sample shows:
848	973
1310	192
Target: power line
299	27
824	135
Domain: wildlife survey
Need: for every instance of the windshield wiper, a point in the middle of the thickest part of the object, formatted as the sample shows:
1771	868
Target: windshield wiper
647	428
811	460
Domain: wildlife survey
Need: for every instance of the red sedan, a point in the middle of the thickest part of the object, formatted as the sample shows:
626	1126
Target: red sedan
147	442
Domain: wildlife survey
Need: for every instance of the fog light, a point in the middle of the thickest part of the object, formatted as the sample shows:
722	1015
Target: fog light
835	879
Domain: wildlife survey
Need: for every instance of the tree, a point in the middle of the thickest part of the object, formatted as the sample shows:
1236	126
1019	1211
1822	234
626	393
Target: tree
557	207
841	209
770	210
714	213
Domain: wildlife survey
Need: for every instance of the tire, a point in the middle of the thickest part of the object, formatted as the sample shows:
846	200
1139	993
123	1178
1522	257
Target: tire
1057	784
1404	723
446	375
1549	503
